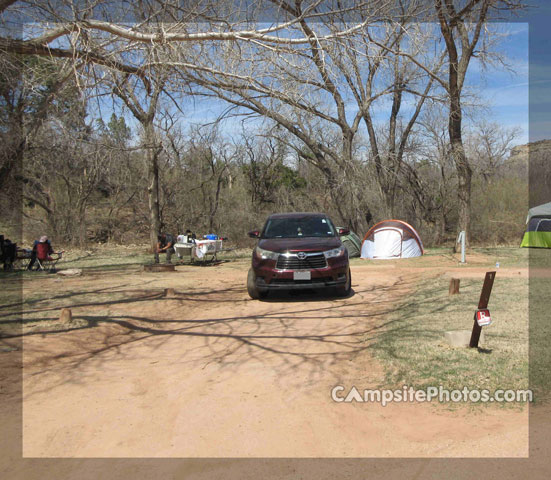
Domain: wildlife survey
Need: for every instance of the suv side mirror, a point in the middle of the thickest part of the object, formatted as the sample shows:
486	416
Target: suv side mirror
254	234
343	231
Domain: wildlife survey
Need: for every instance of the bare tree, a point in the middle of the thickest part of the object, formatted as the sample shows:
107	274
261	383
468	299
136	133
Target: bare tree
122	183
70	25
322	91
489	147
144	108
462	25
437	170
92	36
62	170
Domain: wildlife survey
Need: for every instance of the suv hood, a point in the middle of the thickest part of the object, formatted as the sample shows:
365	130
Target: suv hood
304	244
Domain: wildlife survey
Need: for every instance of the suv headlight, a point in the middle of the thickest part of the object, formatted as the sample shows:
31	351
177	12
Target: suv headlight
266	254
336	252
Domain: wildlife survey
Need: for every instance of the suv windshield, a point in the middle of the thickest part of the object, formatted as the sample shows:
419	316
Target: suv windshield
297	227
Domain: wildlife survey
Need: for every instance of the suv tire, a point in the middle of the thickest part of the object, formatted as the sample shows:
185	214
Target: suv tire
345	290
254	292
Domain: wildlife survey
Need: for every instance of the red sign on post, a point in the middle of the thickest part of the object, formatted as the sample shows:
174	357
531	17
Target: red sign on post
483	317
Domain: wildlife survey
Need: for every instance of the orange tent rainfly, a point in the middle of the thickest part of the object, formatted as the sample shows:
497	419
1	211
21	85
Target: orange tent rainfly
392	239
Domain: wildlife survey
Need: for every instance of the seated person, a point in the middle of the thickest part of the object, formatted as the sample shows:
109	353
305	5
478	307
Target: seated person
190	236
41	248
8	253
165	244
187	238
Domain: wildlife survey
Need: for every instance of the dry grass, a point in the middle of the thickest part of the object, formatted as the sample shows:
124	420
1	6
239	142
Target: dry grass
413	351
540	334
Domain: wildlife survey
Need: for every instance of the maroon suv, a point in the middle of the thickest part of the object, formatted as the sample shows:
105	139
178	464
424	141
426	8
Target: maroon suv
299	251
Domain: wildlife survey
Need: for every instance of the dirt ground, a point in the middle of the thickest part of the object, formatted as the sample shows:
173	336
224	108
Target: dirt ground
208	372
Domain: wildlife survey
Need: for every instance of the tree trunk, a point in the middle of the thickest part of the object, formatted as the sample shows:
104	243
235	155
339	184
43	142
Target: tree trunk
442	224
82	227
457	72
153	185
464	171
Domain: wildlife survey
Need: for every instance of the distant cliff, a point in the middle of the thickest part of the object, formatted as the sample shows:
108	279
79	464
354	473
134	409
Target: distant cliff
543	146
535	158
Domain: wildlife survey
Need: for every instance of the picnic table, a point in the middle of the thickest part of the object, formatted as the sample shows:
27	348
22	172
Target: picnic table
200	249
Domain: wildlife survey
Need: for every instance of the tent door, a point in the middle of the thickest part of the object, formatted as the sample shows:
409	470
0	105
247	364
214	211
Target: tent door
388	243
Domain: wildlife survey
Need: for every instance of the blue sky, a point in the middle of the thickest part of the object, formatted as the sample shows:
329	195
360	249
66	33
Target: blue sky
506	88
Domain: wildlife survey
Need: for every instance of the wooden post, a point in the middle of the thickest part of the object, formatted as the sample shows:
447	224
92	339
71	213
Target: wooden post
454	286
482	303
475	334
66	315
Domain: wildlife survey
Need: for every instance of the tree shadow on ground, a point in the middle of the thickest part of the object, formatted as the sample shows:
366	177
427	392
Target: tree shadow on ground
309	332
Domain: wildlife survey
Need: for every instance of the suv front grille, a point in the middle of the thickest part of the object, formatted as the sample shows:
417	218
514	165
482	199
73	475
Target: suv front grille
292	262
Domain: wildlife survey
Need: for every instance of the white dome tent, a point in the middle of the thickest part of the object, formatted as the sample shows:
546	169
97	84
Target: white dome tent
391	239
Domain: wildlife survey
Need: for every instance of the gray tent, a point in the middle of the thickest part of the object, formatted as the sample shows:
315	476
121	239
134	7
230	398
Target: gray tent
353	244
539	211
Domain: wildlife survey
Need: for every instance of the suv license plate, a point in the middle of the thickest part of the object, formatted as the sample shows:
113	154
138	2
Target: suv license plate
302	275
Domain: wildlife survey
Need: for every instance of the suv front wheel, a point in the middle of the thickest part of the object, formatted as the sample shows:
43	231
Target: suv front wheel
254	292
345	290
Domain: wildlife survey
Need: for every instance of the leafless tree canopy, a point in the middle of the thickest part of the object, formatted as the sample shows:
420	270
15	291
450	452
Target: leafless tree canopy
346	100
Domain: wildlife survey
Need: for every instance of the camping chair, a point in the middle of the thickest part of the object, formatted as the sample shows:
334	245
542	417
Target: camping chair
44	260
